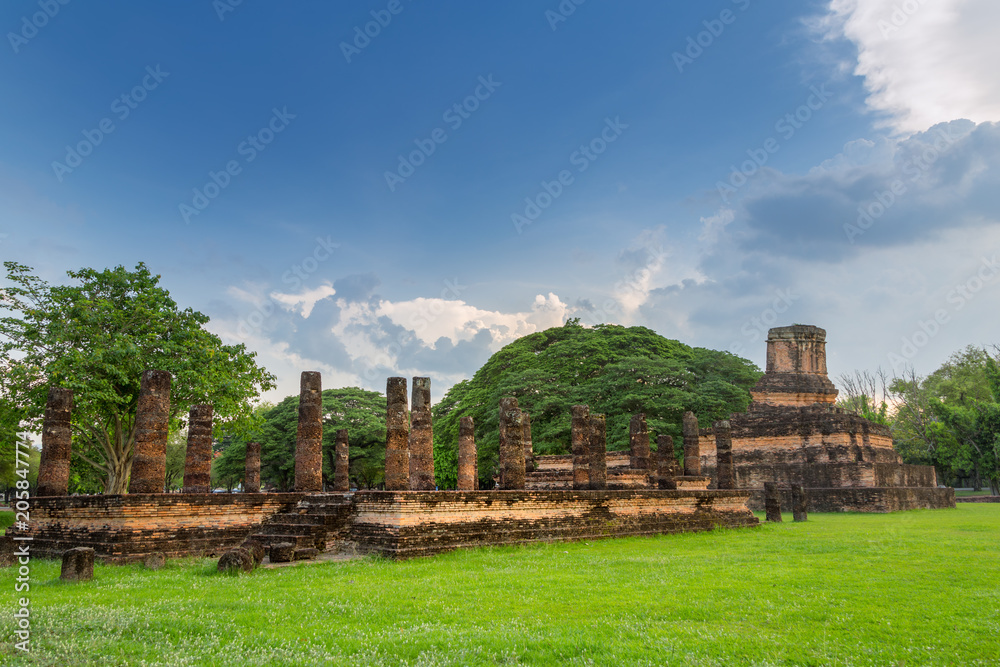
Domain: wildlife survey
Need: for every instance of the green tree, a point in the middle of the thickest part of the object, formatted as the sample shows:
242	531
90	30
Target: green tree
615	370
96	337
359	411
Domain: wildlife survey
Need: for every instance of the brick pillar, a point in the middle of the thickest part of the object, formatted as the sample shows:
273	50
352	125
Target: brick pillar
723	455
800	503
251	478
529	447
598	453
309	440
468	465
198	459
772	502
692	452
667	462
421	438
511	444
342	464
638	438
57	443
581	446
397	432
149	461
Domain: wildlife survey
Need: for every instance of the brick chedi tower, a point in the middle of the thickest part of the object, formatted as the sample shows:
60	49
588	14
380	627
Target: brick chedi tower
793	434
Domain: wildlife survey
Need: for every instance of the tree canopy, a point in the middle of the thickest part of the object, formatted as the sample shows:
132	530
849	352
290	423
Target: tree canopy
616	370
96	337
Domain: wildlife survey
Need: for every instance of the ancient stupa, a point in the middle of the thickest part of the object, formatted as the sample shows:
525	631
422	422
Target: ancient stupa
793	434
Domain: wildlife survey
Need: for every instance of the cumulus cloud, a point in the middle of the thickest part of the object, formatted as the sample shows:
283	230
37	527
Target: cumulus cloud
924	61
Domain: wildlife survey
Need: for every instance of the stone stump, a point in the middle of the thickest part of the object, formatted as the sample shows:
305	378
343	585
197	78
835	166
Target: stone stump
638	439
772	502
511	444
421	437
282	552
692	450
237	559
529	447
341	468
468	464
255	548
397	432
800	503
724	455
77	564
251	477
306	553
155	561
57	443
149	461
598	453
309	439
667	468
198	459
580	442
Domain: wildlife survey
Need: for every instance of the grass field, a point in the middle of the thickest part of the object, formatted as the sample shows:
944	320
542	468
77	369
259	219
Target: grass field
914	588
6	521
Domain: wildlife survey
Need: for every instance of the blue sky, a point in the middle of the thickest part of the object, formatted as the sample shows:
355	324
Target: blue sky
409	200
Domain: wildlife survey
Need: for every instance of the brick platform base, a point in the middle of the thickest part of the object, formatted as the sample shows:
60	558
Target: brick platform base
403	525
864	499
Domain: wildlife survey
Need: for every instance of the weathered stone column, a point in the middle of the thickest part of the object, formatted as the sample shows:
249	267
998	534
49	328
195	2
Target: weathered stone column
800	503
397	432
198	459
251	477
580	441
309	441
529	447
468	464
421	438
57	443
772	502
667	462
725	478
692	451
511	444
341	473
149	462
638	438
598	453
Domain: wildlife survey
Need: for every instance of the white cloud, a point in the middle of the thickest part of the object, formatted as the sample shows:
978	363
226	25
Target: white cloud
306	300
924	61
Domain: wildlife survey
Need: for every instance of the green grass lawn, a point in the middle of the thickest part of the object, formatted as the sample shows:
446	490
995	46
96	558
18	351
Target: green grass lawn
914	588
965	492
6	521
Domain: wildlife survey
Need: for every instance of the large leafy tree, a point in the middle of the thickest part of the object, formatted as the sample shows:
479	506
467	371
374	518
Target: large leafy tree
359	411
96	336
615	370
951	418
